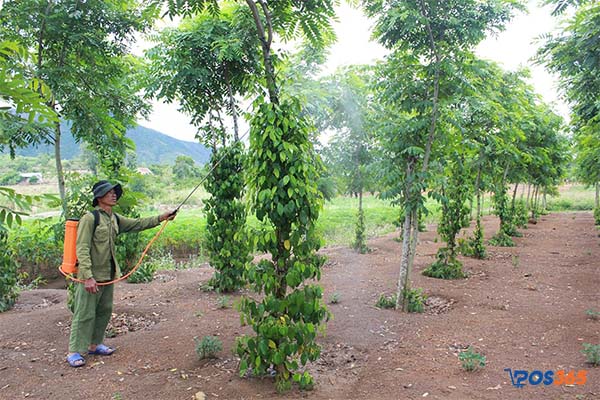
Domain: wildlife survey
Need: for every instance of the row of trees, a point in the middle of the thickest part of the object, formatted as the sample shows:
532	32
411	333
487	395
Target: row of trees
435	120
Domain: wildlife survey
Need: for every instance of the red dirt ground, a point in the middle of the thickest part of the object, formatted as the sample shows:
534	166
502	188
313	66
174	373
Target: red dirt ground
523	308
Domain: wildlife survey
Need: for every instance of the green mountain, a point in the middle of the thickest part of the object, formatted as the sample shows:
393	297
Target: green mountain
151	147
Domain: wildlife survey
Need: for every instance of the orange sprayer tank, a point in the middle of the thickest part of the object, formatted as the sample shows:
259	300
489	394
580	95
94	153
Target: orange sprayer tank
69	264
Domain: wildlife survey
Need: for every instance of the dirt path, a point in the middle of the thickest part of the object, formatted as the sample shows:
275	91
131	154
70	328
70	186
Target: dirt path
523	308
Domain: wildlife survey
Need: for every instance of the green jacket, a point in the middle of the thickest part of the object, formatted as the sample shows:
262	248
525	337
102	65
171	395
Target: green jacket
96	249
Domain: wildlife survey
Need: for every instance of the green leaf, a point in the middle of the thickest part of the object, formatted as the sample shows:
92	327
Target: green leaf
243	367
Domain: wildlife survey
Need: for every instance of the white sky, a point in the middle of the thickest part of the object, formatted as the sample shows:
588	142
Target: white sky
512	48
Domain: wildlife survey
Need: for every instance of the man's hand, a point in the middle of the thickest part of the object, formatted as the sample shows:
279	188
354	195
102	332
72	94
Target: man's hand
170	215
91	286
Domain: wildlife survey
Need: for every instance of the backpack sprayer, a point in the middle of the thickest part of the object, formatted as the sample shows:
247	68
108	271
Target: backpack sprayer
69	265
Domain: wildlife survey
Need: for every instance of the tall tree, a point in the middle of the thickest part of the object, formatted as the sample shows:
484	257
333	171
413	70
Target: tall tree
204	64
428	38
574	54
81	49
283	171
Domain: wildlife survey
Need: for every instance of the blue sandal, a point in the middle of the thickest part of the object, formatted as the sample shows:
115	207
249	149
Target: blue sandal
102	350
76	360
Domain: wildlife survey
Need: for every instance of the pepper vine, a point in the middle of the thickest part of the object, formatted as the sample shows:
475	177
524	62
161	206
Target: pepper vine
283	172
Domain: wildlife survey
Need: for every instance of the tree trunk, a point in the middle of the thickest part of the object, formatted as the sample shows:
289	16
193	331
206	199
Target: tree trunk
59	170
544	203
404	261
411	231
523	192
407	235
597	194
478	193
479	204
236	134
514	195
534	197
411	257
265	41
527	202
360	201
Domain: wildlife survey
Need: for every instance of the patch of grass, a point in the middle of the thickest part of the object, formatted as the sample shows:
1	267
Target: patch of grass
184	235
572	198
208	347
592	353
471	360
593	315
337	221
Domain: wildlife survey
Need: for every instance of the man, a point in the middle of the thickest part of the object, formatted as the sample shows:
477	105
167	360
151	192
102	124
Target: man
97	263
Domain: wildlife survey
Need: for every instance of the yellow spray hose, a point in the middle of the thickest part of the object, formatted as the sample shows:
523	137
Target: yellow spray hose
136	266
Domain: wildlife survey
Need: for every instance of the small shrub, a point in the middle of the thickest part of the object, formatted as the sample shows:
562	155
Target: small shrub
597	215
223	301
334	298
445	267
416	300
501	239
472	247
36	246
206	286
593	315
144	274
304	380
208	347
592	352
386	302
471	361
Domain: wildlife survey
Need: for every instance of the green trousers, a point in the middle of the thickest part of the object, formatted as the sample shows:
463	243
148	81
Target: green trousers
90	317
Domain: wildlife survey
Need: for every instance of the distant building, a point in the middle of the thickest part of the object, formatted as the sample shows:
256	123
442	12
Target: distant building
144	171
31	178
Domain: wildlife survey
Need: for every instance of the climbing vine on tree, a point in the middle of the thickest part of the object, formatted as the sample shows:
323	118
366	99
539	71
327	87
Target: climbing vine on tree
226	240
453	197
283	184
502	210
